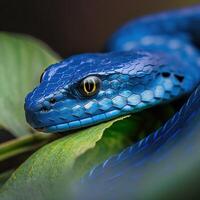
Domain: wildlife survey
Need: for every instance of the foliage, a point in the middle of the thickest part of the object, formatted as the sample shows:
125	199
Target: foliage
51	170
23	59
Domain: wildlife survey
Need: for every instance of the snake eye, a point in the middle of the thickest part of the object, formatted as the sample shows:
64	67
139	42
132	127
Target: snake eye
41	77
90	86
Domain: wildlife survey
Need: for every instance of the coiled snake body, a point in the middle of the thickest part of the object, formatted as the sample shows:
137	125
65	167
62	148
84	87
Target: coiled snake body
152	60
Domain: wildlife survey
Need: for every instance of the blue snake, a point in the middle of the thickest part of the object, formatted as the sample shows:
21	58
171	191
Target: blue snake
150	61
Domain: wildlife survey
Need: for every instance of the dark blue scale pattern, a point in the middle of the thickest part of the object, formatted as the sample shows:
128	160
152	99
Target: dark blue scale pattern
153	60
130	82
130	165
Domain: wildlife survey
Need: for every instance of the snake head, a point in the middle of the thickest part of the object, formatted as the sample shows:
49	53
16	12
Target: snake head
90	88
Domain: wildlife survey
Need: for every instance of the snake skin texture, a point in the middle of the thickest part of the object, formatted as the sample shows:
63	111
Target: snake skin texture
131	80
153	60
123	175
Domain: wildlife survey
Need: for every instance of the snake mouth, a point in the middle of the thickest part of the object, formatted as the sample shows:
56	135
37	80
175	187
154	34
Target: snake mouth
82	123
66	126
160	115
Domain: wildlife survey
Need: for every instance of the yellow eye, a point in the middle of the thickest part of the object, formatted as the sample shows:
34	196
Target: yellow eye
90	86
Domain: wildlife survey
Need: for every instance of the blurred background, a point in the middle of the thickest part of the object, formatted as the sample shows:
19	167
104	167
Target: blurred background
75	26
71	27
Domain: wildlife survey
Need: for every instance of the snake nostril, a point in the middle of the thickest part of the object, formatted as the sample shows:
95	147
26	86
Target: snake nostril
52	100
165	74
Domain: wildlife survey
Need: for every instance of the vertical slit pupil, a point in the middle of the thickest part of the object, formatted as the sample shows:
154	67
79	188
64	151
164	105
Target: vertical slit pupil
89	85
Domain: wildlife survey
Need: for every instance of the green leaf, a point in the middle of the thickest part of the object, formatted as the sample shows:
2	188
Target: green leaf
50	170
114	140
23	59
43	173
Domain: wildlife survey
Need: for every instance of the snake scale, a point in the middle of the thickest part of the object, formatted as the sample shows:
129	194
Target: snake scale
150	61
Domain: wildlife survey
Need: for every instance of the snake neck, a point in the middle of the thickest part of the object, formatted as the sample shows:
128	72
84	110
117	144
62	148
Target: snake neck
175	33
129	81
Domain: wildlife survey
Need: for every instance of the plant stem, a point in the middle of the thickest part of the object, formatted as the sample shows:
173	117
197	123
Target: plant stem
22	146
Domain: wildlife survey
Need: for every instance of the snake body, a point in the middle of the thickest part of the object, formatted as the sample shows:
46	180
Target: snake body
152	60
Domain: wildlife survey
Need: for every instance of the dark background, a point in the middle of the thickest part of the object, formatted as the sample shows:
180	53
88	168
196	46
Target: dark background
74	26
